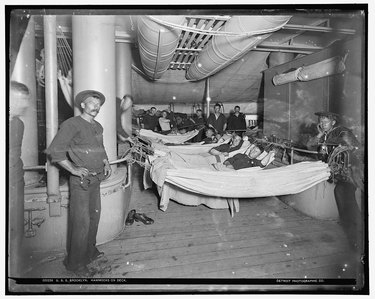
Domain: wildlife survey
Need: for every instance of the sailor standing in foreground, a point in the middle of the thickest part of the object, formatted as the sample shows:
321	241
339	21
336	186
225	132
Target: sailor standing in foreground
78	147
329	137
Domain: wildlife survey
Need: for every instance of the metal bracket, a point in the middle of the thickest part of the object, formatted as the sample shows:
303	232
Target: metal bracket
31	222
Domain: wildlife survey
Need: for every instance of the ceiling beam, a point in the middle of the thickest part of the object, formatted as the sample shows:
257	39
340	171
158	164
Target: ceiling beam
276	47
317	28
300	32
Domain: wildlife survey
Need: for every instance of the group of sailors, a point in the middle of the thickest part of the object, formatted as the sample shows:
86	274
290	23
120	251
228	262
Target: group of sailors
211	128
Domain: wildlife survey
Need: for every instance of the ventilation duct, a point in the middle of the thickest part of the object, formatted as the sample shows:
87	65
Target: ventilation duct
244	34
328	67
157	44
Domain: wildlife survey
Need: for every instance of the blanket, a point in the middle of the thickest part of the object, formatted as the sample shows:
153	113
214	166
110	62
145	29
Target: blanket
170	138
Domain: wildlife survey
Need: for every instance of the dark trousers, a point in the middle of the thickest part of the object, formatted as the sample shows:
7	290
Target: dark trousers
350	214
83	221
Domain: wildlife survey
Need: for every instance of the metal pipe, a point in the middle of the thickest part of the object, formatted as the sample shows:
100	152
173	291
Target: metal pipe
44	167
29	168
261	49
50	49
289	147
317	28
282	47
208	99
303	151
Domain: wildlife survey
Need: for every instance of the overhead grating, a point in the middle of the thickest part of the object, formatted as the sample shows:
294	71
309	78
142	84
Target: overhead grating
191	43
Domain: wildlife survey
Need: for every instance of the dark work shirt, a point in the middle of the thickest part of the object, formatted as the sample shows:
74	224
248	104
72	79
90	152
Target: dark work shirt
189	125
199	120
150	122
240	161
186	124
338	135
80	142
236	122
218	123
227	148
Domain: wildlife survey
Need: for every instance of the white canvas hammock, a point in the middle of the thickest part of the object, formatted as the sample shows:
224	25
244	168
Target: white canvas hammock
171	138
64	67
195	174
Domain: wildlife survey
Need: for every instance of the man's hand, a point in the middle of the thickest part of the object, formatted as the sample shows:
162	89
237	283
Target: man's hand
79	171
74	170
107	169
320	131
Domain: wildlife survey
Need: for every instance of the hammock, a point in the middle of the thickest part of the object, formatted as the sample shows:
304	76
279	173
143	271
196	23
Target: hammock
194	174
64	67
171	138
66	87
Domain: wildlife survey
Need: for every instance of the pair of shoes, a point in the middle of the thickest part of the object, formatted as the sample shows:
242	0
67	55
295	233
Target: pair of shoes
83	272
143	218
130	218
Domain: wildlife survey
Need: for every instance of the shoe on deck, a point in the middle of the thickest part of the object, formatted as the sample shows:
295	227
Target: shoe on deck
130	218
143	218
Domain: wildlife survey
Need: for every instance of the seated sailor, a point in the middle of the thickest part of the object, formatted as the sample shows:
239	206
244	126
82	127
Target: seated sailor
210	136
165	122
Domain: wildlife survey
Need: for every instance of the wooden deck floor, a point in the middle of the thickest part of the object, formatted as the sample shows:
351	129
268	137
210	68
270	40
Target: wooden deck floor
266	239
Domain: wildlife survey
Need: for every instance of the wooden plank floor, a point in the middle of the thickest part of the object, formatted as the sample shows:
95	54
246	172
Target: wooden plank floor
266	239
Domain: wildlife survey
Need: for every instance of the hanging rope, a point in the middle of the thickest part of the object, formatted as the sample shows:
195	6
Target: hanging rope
64	54
64	65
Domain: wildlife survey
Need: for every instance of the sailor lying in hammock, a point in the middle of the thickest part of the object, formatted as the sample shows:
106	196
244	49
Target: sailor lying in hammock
226	148
239	154
256	157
